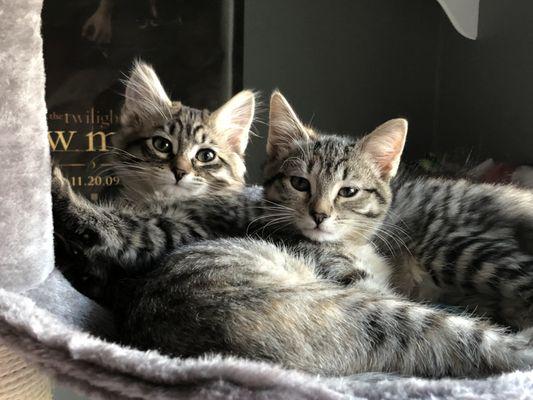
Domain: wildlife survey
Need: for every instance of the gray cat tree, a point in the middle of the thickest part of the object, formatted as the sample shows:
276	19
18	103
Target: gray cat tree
46	327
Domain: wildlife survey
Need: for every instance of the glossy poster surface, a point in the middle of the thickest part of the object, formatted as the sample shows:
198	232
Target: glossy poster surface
89	46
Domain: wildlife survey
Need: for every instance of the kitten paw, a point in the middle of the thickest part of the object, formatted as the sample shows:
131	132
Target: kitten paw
60	184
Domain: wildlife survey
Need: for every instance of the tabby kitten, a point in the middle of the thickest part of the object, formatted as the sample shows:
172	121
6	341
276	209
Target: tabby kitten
166	148
251	298
449	241
452	242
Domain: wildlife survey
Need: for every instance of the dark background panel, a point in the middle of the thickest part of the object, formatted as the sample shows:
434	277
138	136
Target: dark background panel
486	90
349	65
345	65
194	46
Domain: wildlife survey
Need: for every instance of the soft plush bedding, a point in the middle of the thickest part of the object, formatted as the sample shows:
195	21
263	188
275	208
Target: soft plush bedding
60	343
71	338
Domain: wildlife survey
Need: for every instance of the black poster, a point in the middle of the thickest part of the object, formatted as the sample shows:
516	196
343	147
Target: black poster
195	47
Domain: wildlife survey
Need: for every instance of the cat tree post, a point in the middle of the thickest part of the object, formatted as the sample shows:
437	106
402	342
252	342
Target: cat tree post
26	249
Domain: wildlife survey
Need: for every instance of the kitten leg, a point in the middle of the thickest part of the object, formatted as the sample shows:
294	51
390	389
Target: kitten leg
348	265
120	236
136	238
99	242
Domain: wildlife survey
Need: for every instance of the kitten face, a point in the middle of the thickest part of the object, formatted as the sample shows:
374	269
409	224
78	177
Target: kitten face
330	188
166	148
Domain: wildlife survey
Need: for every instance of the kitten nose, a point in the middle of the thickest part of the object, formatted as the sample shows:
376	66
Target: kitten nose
180	167
179	174
318	217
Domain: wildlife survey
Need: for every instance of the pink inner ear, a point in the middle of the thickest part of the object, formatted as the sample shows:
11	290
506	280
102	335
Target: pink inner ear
236	132
385	161
385	148
235	140
233	120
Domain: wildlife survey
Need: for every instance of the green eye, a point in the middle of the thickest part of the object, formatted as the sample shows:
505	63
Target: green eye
348	191
161	144
205	155
300	184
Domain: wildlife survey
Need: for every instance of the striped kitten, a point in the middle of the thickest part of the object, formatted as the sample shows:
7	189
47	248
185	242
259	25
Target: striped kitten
166	148
452	242
251	298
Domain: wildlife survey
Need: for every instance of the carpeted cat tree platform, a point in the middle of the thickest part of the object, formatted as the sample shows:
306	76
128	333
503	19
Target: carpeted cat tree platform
47	327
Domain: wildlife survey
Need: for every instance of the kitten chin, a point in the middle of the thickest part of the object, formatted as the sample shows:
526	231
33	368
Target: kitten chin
181	190
325	232
188	187
319	235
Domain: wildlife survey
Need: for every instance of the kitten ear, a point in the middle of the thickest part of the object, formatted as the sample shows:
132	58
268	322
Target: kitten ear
385	145
145	97
234	119
284	127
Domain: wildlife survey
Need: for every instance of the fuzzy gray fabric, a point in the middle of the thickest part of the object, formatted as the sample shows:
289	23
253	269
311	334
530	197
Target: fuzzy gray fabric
57	296
25	211
62	331
103	369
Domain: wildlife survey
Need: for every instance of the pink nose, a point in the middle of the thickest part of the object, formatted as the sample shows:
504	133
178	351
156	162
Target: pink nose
179	174
318	217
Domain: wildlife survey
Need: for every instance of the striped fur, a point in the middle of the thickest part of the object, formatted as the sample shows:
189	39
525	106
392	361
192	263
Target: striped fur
464	244
279	303
149	118
98	244
253	299
256	300
452	242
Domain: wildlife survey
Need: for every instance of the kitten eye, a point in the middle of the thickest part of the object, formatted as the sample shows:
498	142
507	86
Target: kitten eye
348	191
161	144
300	184
205	155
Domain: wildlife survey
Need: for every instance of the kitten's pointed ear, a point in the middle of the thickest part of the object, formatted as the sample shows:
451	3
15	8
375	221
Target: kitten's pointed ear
284	127
145	97
385	146
234	119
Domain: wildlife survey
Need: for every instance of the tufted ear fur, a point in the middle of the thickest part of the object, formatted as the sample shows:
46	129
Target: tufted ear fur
385	146
145	97
285	128
234	119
